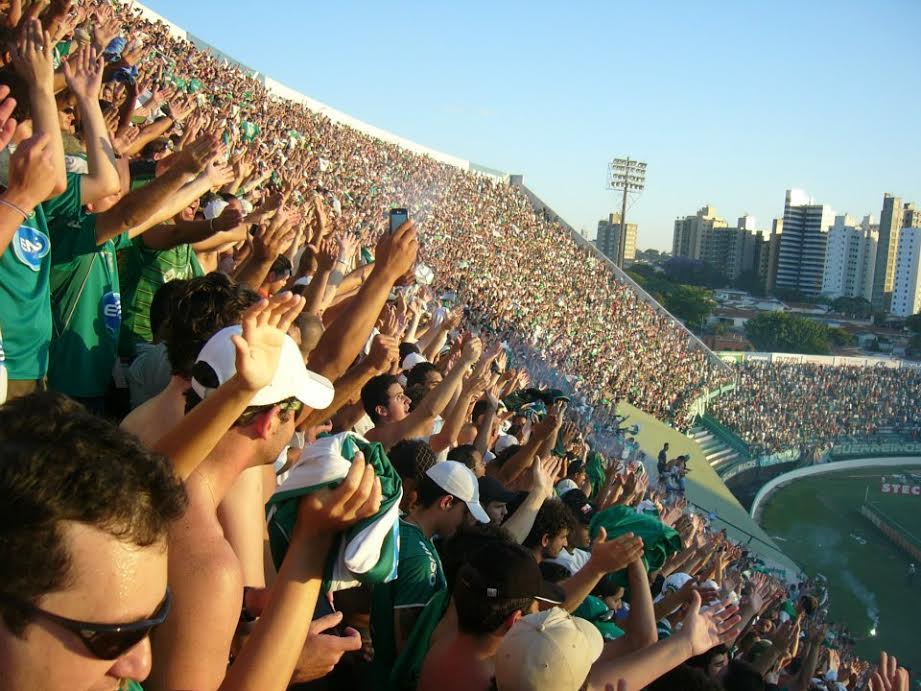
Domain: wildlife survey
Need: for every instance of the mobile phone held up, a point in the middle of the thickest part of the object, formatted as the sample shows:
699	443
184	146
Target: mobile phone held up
397	218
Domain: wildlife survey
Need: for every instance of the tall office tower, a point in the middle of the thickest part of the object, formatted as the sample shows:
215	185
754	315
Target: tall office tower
890	223
906	284
850	258
801	258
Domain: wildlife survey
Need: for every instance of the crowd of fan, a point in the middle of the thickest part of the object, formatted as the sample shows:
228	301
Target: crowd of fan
326	473
781	406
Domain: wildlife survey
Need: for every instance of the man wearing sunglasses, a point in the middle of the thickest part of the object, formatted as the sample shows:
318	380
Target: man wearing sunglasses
83	561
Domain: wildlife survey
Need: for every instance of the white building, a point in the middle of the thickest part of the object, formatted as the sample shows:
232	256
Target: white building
906	288
801	256
850	258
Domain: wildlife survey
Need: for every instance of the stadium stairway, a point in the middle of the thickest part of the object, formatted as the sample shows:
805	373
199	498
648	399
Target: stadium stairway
705	490
718	454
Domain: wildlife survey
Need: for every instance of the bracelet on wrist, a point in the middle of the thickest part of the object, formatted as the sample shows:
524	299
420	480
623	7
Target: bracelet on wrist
15	207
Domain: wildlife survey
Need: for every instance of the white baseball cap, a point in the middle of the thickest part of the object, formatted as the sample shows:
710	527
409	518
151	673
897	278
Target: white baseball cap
547	650
292	378
215	208
411	360
459	481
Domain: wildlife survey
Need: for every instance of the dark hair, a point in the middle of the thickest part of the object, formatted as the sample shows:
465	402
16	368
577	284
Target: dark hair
419	373
701	661
479	408
684	678
466	454
281	265
430	491
741	676
480	615
19	89
406	349
60	463
456	550
161	305
374	393
204	306
553	572
411	458
552	519
809	604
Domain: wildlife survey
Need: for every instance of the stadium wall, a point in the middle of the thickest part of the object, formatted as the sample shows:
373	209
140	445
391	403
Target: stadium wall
794	475
892	530
828	360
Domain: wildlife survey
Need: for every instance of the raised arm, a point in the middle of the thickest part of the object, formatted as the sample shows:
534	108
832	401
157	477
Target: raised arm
346	336
607	556
699	633
32	58
166	196
83	73
265	325
519	524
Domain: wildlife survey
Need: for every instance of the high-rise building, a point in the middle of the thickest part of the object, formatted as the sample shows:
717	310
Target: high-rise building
769	257
850	258
906	284
608	240
801	257
892	219
690	232
708	238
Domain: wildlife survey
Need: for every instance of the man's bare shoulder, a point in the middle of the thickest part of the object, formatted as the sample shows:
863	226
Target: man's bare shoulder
152	419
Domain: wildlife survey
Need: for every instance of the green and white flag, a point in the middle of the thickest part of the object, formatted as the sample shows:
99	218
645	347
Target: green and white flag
368	552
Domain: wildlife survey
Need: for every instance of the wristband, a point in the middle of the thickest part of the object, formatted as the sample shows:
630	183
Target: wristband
15	207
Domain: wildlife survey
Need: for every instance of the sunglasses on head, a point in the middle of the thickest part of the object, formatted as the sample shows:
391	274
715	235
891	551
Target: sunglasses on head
105	641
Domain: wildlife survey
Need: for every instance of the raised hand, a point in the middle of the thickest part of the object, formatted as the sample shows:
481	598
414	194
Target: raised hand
614	555
32	55
889	676
124	142
83	73
396	253
7	121
31	172
229	219
704	631
472	350
330	511
265	325
194	158
219	172
328	255
384	353
543	473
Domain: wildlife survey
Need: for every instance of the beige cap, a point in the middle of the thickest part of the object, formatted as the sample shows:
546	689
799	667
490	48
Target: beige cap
547	650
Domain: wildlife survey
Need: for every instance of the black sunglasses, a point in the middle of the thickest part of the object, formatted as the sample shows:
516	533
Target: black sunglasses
105	641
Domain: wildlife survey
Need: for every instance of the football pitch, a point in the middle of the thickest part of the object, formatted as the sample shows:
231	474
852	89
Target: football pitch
816	521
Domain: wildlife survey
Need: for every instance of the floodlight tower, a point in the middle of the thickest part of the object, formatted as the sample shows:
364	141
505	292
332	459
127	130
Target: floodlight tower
627	176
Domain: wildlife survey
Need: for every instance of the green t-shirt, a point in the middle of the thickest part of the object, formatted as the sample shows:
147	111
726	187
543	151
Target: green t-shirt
143	271
420	578
85	307
25	296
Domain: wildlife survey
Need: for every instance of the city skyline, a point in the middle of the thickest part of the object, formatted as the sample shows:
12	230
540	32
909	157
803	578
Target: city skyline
730	104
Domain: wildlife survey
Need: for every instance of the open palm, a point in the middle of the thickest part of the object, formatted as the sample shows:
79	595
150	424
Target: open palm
265	326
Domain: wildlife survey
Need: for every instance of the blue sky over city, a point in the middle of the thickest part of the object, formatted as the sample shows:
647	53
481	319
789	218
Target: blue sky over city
729	103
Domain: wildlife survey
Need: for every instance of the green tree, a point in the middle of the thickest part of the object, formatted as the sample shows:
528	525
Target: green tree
690	303
858	308
789	333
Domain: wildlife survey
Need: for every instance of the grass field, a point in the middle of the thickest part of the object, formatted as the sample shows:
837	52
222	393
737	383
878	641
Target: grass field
816	521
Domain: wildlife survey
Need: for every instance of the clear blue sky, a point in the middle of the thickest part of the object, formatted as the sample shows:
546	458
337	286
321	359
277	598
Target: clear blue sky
730	103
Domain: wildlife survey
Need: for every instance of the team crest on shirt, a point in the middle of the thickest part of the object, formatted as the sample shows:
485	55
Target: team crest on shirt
30	246
111	308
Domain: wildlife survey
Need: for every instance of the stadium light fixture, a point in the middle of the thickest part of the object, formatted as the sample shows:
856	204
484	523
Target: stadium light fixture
628	176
